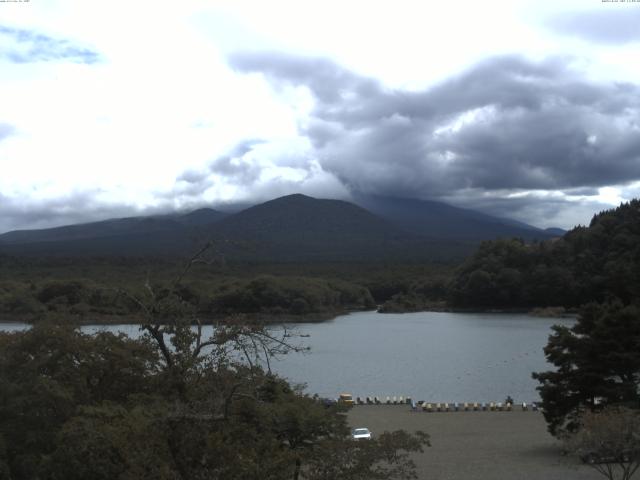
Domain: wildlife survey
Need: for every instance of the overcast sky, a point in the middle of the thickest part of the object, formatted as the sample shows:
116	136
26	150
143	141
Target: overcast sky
525	109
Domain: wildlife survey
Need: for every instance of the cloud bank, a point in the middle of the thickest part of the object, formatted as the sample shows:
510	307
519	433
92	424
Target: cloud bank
76	207
505	126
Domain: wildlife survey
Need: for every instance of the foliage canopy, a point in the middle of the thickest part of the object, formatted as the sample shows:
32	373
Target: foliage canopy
597	364
595	263
173	404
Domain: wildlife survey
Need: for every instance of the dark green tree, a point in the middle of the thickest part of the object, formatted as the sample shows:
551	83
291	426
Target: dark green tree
595	263
387	457
597	364
49	371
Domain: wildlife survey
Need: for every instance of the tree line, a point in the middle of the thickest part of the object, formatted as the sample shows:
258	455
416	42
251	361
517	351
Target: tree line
591	399
597	263
268	295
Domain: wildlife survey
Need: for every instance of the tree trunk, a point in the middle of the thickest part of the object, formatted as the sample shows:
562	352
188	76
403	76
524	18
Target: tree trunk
296	472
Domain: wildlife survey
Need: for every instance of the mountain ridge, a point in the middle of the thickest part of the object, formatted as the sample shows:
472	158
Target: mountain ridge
113	227
443	221
290	228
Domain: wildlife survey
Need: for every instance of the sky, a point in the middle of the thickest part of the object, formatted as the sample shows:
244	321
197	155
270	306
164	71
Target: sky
522	109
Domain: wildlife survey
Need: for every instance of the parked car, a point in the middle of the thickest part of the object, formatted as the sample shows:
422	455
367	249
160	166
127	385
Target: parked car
600	457
361	434
328	402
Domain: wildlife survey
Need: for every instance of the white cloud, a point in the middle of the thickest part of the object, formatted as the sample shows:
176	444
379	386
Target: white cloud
161	99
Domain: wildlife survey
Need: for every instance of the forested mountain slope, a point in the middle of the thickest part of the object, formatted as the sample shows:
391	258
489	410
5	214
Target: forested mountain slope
439	220
594	263
301	228
294	228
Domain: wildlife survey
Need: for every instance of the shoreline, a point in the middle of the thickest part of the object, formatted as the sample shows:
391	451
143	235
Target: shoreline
267	319
275	319
542	312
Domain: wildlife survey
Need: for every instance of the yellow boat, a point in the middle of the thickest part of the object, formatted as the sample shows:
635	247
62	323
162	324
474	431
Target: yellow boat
345	399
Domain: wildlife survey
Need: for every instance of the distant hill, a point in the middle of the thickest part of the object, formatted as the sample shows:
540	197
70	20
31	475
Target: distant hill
293	228
89	230
558	232
156	235
114	227
438	220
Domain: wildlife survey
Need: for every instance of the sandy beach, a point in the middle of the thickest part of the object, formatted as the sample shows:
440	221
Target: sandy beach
478	445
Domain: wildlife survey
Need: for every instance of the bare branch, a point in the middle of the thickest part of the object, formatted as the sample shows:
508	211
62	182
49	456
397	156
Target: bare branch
266	356
194	258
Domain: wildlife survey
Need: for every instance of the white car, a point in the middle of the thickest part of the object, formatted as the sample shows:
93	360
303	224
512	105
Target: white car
361	434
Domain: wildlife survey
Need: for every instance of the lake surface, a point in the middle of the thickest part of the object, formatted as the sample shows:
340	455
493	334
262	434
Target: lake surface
432	356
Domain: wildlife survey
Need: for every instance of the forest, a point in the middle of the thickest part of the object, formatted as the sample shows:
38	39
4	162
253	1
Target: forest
90	290
597	263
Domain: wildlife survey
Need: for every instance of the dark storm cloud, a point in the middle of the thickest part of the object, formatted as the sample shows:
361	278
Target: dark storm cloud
237	169
618	25
504	124
231	165
541	210
322	76
582	192
27	46
234	166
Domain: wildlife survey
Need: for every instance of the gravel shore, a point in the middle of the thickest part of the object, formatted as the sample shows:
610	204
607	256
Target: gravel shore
478	445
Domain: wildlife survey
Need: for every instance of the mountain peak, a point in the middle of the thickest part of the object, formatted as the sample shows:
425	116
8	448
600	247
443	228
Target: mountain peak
294	197
293	227
302	228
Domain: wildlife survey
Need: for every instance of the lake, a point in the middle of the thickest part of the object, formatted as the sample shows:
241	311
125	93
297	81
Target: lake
432	356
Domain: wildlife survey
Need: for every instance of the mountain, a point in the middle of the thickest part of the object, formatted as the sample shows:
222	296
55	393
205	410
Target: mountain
558	232
114	227
157	235
438	220
85	231
294	228
301	228
198	218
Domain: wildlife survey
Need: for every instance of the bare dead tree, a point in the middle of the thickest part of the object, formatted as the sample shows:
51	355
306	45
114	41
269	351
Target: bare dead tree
609	442
175	327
